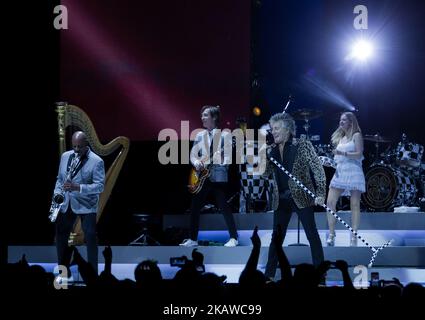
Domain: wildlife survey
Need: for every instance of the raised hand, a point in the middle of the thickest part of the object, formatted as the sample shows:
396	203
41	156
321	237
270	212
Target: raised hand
197	256
397	281
324	267
255	239
341	265
107	254
77	258
24	258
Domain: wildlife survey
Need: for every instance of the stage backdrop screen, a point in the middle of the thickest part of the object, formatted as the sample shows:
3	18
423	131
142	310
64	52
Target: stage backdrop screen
137	67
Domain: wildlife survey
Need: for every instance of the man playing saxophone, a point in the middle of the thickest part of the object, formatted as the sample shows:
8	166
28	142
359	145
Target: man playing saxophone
74	161
80	181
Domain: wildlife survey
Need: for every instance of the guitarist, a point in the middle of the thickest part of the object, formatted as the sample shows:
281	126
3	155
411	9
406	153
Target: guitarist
208	154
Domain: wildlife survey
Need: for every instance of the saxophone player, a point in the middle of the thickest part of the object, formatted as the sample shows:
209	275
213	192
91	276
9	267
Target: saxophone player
80	182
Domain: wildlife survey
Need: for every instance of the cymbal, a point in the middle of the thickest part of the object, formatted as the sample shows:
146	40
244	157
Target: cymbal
376	138
306	114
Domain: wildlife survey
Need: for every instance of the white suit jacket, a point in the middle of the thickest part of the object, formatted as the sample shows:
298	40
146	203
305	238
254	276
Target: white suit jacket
91	178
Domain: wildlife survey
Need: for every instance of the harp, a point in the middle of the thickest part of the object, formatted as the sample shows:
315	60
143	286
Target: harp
70	115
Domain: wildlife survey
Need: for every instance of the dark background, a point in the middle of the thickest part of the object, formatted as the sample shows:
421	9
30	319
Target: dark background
308	40
287	42
138	67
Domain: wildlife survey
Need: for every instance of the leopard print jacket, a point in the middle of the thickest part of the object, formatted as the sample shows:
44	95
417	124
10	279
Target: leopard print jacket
305	159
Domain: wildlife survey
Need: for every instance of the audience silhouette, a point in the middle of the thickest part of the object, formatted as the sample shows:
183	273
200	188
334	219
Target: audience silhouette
192	284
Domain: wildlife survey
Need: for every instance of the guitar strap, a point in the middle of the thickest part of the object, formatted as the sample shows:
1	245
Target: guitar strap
211	145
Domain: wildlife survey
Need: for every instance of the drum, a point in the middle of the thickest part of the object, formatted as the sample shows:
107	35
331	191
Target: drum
409	154
327	162
324	150
252	185
252	182
422	182
388	187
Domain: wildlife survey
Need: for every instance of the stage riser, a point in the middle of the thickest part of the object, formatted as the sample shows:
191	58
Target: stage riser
368	221
374	238
389	257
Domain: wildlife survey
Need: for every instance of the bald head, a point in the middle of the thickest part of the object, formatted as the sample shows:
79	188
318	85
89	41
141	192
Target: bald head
79	143
79	135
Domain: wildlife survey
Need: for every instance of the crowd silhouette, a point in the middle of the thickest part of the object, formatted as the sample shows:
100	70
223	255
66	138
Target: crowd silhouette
192	285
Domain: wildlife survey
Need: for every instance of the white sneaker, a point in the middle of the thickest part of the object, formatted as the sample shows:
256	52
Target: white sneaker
231	243
189	243
353	241
331	240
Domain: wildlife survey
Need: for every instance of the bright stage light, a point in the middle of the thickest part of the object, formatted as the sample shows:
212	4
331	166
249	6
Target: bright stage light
361	50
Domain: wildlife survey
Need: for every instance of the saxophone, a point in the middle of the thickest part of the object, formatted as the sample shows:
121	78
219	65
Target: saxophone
59	198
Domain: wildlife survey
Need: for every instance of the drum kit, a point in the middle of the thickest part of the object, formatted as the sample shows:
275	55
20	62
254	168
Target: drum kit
306	115
396	176
254	187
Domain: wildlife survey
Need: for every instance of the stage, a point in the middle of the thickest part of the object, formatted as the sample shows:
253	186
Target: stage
404	259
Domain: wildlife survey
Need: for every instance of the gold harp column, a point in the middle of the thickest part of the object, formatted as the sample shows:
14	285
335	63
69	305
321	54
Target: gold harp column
60	109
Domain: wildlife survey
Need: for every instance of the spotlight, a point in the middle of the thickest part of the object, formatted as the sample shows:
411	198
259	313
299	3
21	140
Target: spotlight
361	50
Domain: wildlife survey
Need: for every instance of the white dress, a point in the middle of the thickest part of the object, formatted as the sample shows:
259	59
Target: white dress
349	172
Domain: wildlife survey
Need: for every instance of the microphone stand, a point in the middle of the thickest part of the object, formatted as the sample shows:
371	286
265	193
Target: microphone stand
269	137
298	244
287	104
298	223
298	228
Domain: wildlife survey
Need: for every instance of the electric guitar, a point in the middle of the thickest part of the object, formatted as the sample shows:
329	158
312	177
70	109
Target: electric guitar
197	178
